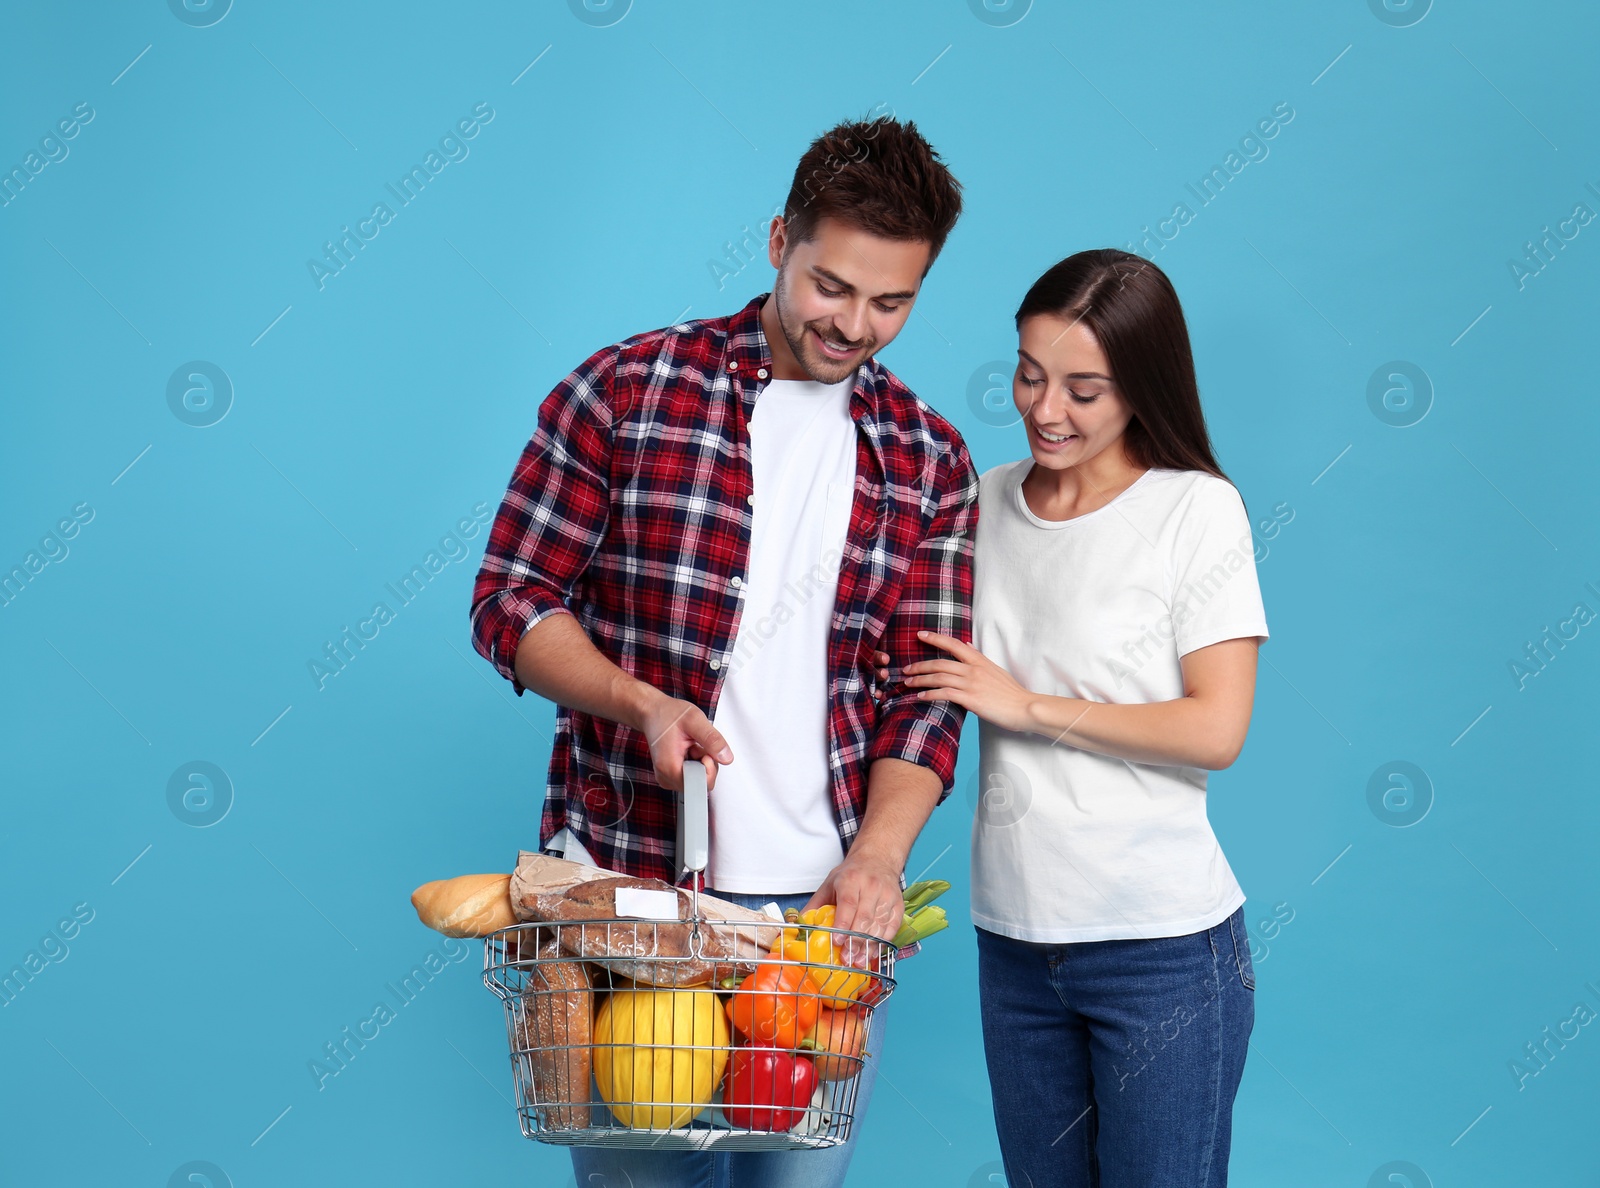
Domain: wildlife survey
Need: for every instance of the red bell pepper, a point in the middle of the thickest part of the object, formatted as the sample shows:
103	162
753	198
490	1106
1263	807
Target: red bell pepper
767	1089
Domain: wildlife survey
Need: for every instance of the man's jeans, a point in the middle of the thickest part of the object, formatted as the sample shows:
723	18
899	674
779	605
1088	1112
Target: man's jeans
1116	1062
609	1167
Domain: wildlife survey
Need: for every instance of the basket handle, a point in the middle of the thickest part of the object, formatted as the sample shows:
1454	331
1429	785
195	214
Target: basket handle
694	824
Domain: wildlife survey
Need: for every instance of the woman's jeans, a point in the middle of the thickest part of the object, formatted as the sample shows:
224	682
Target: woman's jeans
1116	1062
611	1167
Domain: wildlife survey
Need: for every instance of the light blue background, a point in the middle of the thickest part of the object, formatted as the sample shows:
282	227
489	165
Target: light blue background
368	417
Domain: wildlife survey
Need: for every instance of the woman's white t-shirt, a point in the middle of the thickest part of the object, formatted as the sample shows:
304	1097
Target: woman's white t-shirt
1070	845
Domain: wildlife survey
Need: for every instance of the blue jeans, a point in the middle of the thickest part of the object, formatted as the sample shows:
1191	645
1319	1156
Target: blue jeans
1117	1061
611	1167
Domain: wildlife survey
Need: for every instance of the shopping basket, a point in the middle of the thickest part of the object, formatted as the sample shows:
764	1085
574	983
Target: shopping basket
740	1049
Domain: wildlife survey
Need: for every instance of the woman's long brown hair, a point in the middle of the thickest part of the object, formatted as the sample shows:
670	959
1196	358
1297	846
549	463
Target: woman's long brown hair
1132	310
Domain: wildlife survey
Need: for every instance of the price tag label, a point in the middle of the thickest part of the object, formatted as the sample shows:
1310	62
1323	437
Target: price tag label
641	903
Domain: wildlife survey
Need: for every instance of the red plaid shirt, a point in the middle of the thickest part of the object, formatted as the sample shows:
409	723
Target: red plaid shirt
629	509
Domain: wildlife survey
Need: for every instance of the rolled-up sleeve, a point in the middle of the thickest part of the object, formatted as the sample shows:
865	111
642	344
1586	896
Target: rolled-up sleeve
936	596
553	517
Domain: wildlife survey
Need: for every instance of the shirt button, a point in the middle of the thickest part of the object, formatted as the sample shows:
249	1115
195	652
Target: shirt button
715	665
750	499
733	365
737	582
762	373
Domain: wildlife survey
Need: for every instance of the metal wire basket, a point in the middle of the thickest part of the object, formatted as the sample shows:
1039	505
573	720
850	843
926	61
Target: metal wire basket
748	1053
665	1033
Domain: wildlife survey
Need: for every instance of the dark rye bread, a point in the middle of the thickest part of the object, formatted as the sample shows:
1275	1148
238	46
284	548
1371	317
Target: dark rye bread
637	950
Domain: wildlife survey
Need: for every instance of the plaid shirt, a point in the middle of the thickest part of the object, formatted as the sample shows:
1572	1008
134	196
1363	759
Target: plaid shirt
629	509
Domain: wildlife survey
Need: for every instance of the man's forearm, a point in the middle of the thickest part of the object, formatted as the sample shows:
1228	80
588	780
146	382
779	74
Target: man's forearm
558	661
900	798
866	885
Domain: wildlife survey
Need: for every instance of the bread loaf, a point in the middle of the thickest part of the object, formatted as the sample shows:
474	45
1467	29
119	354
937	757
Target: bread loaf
547	889
554	1031
471	905
633	949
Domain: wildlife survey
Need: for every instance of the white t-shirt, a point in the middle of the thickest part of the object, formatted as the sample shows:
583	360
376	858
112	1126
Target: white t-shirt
1069	845
773	827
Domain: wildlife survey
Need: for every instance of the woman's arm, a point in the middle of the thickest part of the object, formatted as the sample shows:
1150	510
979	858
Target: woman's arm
1206	727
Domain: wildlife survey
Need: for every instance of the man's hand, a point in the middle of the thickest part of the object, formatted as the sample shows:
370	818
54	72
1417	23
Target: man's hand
865	887
865	890
678	730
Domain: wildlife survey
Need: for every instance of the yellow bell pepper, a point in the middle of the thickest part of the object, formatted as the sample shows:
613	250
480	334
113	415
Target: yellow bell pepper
809	943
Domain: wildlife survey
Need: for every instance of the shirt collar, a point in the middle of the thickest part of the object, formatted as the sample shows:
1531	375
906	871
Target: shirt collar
748	355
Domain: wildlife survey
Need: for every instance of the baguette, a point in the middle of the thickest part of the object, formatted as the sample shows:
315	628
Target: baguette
470	905
554	1031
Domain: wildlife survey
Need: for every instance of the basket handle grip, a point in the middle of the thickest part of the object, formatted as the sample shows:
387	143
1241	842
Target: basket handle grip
694	823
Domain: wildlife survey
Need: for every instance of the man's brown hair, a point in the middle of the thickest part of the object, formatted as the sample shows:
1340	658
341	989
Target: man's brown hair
878	176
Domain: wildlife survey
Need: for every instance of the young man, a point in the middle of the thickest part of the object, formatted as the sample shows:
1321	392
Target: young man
712	531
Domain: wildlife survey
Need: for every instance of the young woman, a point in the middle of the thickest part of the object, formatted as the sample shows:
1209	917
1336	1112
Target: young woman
1116	622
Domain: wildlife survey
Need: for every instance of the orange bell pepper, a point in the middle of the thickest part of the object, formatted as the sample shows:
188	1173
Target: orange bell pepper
774	1007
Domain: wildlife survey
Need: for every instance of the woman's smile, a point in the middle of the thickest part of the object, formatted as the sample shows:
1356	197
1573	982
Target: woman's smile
1051	442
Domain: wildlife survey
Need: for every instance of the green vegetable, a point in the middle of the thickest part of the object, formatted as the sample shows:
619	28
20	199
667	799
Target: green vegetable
922	918
923	893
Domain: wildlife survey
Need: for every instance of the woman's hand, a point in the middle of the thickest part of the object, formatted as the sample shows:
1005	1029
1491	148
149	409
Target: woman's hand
970	679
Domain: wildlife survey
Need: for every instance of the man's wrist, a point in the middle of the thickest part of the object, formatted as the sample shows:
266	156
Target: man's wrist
900	795
867	852
635	699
